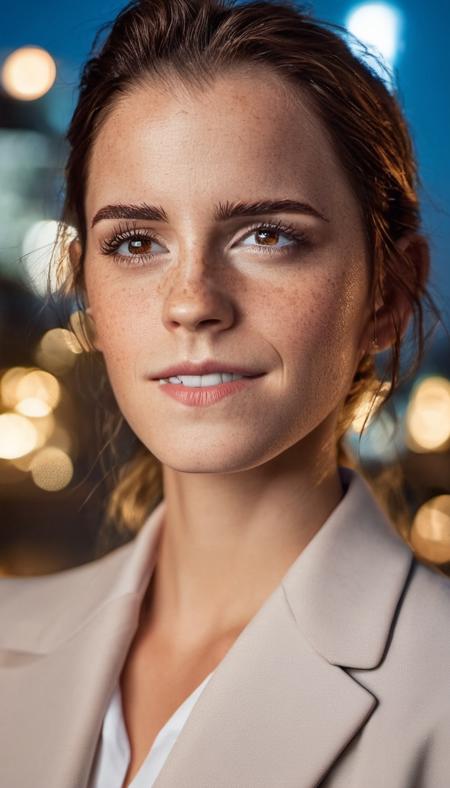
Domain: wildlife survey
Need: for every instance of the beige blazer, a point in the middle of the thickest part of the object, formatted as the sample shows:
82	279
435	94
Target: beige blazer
341	679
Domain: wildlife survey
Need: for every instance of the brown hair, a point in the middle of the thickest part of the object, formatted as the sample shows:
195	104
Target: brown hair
194	40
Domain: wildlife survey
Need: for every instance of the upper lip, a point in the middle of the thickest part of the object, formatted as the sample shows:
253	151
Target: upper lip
204	368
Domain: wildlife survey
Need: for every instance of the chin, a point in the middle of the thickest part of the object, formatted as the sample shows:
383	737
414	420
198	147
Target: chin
206	463
208	459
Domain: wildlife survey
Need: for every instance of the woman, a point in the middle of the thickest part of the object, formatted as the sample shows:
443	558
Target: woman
244	194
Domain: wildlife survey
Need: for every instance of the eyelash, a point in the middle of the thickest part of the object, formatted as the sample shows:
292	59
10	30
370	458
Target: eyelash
110	245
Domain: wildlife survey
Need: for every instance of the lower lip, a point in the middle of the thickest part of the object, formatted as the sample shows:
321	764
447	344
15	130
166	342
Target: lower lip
201	396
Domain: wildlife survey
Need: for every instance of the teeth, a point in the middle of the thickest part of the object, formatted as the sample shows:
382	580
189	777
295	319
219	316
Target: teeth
203	380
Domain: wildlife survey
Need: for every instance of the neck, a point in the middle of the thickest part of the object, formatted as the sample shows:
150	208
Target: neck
227	541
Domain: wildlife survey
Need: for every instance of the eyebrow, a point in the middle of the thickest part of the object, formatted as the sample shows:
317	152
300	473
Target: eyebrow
222	211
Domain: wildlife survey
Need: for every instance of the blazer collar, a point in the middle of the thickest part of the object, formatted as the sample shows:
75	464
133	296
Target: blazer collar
355	564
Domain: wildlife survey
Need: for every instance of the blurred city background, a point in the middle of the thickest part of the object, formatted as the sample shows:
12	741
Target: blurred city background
52	484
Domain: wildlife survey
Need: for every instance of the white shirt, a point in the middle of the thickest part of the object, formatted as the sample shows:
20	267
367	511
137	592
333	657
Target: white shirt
113	756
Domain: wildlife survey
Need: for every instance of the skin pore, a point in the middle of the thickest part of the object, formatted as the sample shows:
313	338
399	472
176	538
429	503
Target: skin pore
249	480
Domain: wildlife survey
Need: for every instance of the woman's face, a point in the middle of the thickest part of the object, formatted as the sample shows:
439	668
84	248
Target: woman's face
196	287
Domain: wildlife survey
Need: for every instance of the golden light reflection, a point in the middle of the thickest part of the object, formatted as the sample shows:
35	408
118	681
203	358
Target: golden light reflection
28	73
370	403
38	384
430	532
57	350
18	436
427	421
50	434
51	469
33	406
45	428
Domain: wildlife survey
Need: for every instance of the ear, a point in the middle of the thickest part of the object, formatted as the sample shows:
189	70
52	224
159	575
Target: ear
414	247
75	258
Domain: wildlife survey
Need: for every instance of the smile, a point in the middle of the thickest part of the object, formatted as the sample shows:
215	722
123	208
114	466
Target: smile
205	390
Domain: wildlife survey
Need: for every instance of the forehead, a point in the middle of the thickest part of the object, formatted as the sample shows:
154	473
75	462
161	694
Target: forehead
248	134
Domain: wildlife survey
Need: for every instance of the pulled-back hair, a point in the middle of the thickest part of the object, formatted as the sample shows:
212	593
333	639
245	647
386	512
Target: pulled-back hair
193	41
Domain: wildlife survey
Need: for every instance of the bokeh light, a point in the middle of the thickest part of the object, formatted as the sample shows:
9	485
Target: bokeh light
51	469
57	350
33	406
8	385
28	73
46	428
427	421
378	25
18	436
44	249
430	532
38	385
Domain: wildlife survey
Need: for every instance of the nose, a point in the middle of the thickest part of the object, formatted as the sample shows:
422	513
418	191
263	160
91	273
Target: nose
195	299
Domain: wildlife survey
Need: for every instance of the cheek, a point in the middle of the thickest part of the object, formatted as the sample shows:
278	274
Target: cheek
318	317
125	335
122	323
316	335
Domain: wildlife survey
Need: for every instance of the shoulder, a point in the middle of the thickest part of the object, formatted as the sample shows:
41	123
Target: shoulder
420	652
29	606
426	604
425	617
415	666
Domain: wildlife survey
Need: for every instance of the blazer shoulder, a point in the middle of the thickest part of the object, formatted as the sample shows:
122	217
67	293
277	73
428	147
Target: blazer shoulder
425	615
29	605
420	650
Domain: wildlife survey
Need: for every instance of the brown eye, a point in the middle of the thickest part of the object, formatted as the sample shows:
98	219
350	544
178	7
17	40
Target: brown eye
139	246
267	234
129	243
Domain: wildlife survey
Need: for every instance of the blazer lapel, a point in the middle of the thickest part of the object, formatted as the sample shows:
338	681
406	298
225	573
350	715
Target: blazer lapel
280	707
275	713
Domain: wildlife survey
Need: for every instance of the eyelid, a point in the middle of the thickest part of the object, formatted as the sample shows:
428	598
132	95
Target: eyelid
279	226
126	231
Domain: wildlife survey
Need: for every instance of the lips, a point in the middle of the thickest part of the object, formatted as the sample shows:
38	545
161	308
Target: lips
205	396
